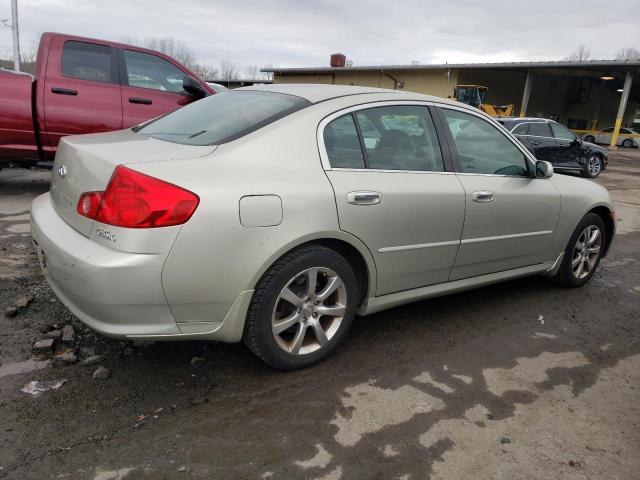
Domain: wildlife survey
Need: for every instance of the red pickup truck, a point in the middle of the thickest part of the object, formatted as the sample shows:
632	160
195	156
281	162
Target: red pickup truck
82	85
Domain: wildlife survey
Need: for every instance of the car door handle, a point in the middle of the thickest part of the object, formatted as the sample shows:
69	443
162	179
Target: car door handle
483	196
64	91
364	198
142	101
534	142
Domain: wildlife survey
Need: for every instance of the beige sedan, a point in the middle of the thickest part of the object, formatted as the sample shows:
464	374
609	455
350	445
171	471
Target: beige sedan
275	214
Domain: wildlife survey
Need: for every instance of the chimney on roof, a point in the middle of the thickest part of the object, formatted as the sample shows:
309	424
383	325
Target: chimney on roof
338	60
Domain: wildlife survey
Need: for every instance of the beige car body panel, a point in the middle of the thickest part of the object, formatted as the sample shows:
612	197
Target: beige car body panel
261	196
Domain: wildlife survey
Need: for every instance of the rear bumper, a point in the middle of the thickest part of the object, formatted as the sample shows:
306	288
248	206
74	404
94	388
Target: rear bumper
116	293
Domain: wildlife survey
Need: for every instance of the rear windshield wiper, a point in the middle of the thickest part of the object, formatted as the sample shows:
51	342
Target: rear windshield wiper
197	133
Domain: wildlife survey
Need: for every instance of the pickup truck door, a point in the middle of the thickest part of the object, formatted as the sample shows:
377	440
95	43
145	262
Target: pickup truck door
81	91
151	86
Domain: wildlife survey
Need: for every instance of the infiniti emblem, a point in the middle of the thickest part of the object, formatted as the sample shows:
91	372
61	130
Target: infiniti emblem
62	171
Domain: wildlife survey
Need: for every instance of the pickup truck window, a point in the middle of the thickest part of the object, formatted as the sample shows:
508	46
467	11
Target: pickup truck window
222	118
87	61
148	71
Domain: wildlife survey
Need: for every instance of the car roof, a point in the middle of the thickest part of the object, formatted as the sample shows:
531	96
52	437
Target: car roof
524	119
320	92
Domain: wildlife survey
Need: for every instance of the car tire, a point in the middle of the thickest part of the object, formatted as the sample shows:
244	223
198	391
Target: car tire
628	143
287	296
583	252
590	139
592	166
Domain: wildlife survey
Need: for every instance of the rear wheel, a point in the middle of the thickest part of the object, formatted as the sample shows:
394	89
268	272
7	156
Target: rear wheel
628	143
590	139
592	166
302	308
583	252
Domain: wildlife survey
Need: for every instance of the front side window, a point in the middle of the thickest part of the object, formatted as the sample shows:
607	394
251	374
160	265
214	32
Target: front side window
87	61
561	132
482	148
521	129
342	143
149	71
400	137
223	117
540	129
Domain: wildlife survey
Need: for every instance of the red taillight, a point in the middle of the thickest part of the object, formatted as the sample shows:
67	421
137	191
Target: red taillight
135	200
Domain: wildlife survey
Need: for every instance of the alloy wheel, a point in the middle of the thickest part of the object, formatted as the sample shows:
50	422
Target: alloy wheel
309	311
627	143
594	165
586	252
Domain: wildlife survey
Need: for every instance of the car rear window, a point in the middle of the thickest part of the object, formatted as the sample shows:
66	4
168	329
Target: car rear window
223	117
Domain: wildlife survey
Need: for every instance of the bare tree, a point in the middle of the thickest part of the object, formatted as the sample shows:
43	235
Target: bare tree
228	70
580	54
206	72
174	48
628	53
253	73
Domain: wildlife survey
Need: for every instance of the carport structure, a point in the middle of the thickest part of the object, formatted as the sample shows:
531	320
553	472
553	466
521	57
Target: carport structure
584	95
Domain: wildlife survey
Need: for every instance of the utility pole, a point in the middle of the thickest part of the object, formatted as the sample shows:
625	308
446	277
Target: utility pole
16	35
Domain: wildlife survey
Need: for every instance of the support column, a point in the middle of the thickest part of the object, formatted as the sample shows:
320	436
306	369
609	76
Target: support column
526	95
16	35
628	80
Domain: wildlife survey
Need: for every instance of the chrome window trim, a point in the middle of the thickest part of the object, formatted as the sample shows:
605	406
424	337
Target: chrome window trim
505	237
500	128
324	156
466	241
417	246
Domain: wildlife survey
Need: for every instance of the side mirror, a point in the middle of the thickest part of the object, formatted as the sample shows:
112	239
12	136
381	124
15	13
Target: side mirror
543	169
193	87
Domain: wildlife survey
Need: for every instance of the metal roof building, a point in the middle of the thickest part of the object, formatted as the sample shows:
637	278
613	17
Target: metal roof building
582	95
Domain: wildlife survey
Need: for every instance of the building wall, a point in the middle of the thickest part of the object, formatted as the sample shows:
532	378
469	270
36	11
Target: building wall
431	82
548	99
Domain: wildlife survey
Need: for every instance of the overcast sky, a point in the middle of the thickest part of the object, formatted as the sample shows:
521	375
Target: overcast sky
297	33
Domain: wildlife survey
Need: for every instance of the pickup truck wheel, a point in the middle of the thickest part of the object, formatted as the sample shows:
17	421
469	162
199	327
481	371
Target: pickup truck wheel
302	308
590	139
583	252
592	166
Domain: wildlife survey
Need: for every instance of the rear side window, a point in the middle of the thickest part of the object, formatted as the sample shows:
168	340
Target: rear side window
223	117
342	143
149	71
399	137
87	61
540	129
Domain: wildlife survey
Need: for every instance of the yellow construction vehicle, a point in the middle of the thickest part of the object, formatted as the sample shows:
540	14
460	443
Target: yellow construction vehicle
476	96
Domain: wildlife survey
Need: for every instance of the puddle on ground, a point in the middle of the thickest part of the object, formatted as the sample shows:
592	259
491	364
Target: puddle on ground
27	366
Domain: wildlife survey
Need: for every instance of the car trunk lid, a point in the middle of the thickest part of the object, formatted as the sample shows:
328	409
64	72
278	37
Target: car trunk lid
85	163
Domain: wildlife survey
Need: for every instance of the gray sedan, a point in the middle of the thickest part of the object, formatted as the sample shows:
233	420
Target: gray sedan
274	214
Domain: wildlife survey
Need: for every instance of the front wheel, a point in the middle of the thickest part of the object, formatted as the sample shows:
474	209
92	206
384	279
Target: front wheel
302	308
592	166
590	139
583	252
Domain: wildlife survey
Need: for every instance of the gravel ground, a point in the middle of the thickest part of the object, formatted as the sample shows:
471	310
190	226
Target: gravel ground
518	380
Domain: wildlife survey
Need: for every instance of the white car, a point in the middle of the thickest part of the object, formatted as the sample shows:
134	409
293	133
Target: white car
627	138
